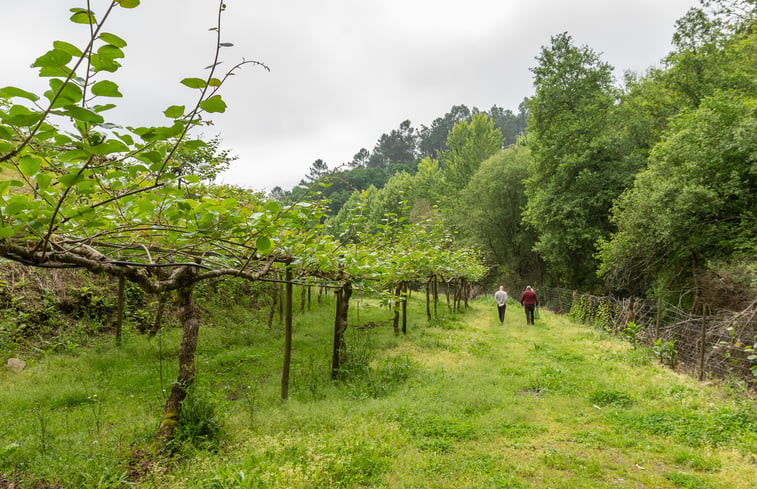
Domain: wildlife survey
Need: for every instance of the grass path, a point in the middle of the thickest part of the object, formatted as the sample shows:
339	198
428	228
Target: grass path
462	403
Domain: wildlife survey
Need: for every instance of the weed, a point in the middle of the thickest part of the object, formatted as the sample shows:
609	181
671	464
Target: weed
631	332
686	481
697	461
443	428
200	424
611	398
550	379
666	352
720	427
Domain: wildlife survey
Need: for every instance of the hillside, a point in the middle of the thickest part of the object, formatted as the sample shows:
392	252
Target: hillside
460	403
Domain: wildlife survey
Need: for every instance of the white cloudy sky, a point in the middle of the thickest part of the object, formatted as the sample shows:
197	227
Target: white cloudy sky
342	71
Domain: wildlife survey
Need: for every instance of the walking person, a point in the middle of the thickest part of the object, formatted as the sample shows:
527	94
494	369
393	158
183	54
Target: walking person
529	301
501	297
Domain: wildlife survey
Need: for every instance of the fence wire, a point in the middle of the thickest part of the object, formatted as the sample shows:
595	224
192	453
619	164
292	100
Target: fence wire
716	345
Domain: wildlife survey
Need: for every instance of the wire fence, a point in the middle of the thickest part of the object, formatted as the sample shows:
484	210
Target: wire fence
715	345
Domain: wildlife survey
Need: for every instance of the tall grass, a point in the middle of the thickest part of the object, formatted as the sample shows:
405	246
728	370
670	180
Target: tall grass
461	402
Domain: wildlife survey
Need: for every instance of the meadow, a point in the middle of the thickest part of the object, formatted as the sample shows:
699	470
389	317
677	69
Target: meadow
459	402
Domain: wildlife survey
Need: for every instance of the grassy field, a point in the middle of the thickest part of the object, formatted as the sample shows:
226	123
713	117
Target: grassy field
462	402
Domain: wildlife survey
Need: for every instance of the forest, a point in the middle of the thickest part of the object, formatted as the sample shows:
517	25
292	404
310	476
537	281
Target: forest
594	185
113	237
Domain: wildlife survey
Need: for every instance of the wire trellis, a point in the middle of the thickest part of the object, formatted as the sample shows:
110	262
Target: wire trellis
715	345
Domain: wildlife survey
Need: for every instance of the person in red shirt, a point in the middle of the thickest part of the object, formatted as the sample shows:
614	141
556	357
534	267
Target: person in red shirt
529	301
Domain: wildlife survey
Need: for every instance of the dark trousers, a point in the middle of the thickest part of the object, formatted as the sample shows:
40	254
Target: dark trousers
529	312
501	310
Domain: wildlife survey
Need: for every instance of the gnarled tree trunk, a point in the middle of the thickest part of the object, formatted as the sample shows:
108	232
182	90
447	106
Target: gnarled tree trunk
190	320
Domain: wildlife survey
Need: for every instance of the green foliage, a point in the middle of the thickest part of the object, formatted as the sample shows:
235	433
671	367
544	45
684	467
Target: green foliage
698	428
488	214
686	481
200	425
577	170
700	172
467	146
666	352
611	398
631	332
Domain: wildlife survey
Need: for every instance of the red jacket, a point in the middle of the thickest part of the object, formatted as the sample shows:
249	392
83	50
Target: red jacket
529	297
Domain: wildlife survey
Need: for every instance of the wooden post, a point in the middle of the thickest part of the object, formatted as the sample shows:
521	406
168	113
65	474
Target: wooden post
343	295
274	302
121	303
404	308
159	313
702	346
631	310
337	321
428	299
282	302
287	337
396	317
658	319
436	294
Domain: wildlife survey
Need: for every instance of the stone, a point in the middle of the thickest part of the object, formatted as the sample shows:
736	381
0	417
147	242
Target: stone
16	364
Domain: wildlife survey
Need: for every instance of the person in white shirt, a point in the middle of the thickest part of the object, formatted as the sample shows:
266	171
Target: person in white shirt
501	298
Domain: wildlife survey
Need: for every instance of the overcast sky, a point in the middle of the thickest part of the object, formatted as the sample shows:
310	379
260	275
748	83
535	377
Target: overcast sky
342	71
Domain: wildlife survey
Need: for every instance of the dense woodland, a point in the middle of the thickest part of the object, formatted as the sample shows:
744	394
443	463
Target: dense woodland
643	186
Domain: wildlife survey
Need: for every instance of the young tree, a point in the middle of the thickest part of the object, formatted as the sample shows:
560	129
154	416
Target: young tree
468	144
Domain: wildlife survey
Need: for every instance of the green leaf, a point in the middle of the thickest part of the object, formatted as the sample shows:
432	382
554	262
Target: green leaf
191	178
62	71
72	178
6	232
169	132
29	165
128	3
214	82
10	92
113	39
110	146
226	44
174	111
103	63
67	47
106	88
125	138
84	115
103	108
54	58
110	51
195	144
68	93
263	244
194	82
43	180
273	207
75	155
82	16
21	116
6	133
213	104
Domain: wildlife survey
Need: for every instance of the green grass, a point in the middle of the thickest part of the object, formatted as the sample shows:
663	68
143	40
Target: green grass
462	402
